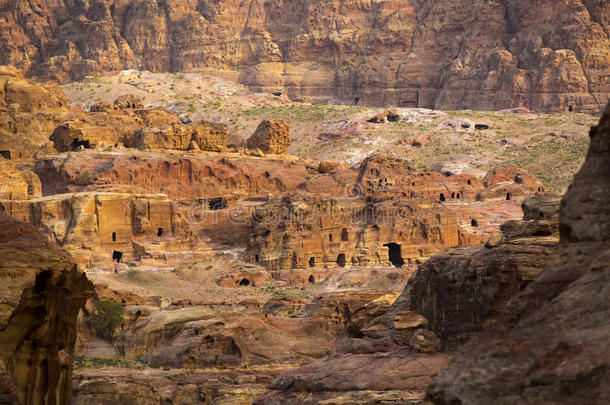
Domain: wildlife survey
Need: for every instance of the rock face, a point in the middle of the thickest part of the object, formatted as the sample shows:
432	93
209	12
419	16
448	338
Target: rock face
206	136
312	232
42	292
462	290
446	54
271	136
551	344
29	112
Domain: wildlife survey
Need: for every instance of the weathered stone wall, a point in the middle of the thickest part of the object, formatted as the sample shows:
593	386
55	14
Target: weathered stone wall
313	232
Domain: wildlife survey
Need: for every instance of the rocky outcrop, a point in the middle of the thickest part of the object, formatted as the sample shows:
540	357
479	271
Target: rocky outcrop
29	112
41	293
462	290
203	136
551	343
271	136
313	232
446	54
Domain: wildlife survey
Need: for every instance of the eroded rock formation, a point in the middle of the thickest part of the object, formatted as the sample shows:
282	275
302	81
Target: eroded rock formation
551	343
447	54
271	136
41	293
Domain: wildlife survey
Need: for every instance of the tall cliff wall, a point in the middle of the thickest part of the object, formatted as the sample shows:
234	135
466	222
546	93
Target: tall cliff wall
444	54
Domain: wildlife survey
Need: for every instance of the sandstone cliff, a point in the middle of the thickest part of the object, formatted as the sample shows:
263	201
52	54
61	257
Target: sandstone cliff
41	293
551	345
445	54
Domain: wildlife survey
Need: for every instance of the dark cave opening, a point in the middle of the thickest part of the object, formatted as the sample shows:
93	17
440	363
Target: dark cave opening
341	260
395	254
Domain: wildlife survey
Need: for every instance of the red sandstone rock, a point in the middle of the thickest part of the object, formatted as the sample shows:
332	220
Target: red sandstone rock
544	56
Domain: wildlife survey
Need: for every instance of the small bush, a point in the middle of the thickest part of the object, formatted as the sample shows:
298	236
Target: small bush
106	317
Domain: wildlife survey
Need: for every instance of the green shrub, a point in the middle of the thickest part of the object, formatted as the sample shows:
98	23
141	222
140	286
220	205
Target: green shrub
106	317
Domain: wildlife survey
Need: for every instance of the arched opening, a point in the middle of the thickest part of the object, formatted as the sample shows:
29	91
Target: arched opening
160	232
395	254
114	236
76	144
344	235
330	237
244	282
117	256
341	260
571	108
312	262
452	195
457	196
216	204
474	223
441	198
508	196
469	182
311	279
256	258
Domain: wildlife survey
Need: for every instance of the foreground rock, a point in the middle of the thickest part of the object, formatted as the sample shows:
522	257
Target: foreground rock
551	345
41	293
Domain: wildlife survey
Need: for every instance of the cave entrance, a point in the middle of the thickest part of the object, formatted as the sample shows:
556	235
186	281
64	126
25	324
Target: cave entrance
344	235
441	198
160	232
117	255
114	236
5	154
311	279
395	254
76	144
341	260
474	223
571	108
312	262
244	282
216	204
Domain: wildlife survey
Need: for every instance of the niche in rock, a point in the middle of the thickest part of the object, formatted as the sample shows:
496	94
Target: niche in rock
117	256
344	235
76	144
341	260
216	204
395	254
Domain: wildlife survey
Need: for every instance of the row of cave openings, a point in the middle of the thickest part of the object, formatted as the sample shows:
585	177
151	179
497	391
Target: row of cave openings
457	196
394	255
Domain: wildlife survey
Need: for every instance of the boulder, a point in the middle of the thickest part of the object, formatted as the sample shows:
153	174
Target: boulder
271	136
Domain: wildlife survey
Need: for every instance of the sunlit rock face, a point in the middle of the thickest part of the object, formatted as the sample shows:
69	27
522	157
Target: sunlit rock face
41	292
551	343
445	54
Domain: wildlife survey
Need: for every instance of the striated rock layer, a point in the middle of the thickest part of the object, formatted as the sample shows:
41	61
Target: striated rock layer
552	344
444	54
41	293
